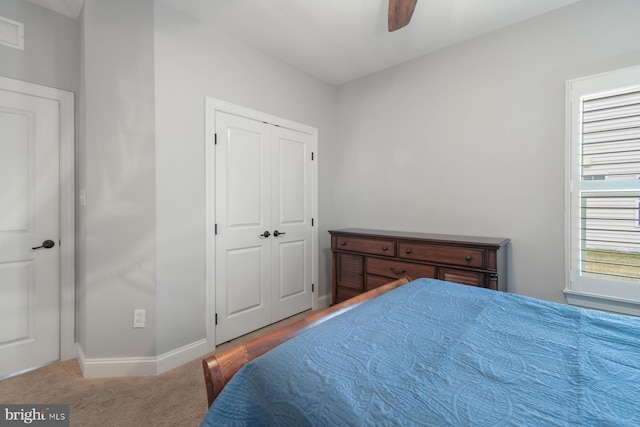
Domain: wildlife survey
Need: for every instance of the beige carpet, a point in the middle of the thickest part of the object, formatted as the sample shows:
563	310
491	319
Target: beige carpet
175	398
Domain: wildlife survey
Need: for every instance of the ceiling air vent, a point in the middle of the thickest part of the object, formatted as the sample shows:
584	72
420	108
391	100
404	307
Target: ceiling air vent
11	33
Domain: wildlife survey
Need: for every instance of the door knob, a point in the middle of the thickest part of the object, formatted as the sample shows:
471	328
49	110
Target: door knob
277	233
47	244
265	234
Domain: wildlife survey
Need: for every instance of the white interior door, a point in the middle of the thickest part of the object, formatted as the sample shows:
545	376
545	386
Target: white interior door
29	215
243	215
291	207
263	217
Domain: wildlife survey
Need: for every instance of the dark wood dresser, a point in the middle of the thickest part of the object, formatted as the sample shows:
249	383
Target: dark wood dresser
365	259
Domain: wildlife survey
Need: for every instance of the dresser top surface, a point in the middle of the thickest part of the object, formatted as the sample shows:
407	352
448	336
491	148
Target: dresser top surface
441	238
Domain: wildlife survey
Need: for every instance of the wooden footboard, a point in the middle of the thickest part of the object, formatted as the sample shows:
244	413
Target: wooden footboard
219	369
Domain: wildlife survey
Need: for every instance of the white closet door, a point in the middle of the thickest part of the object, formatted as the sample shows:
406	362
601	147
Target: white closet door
243	215
263	185
291	219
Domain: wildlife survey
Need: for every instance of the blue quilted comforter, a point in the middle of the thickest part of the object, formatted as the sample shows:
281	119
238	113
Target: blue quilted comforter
437	353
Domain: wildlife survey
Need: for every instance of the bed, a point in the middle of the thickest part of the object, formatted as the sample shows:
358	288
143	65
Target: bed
430	352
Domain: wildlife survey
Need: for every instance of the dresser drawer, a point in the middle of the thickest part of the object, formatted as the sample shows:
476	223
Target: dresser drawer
351	268
467	257
373	282
366	245
397	269
471	278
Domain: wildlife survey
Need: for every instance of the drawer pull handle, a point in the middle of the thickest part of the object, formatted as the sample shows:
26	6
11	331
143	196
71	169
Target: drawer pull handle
408	251
343	243
468	257
384	248
393	270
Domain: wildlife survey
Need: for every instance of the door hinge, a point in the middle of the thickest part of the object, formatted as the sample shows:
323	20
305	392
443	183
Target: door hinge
312	155
215	229
216	318
312	222
215	139
312	287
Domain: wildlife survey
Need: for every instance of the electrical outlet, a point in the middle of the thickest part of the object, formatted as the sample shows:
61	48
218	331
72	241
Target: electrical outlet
139	318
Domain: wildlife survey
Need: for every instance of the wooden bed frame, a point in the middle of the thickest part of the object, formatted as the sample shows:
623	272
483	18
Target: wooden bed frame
219	369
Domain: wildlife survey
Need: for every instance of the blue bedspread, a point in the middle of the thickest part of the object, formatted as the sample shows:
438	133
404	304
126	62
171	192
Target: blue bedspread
437	353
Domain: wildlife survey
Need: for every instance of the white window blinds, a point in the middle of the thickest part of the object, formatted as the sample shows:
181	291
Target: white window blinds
603	149
610	196
611	136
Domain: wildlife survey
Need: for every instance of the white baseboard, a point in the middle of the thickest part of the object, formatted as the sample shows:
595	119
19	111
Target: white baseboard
182	355
139	366
149	366
115	367
324	301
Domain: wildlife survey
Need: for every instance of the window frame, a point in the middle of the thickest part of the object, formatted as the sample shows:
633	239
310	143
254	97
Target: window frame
609	295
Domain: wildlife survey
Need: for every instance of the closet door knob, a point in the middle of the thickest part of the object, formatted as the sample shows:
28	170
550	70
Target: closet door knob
265	234
277	233
47	244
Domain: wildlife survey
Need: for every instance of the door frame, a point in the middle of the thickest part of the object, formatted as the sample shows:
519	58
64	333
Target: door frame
213	105
66	185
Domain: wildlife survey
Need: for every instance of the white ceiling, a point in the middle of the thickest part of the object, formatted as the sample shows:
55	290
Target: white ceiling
340	40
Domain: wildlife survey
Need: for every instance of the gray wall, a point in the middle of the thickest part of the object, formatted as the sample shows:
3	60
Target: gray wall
471	140
117	150
51	47
193	61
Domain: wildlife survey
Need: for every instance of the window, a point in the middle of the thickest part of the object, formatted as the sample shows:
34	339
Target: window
603	191
594	177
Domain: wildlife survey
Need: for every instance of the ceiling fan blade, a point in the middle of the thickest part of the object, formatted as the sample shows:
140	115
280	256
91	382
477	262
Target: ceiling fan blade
400	12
